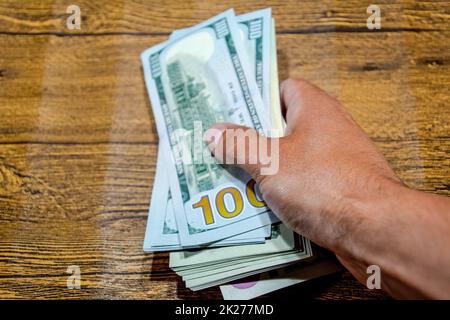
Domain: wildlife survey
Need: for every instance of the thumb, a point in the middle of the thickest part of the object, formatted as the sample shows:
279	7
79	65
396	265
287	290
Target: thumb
244	147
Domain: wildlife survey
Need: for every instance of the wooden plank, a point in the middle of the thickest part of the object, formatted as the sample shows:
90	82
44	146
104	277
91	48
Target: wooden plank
65	205
109	185
86	205
91	89
74	89
78	141
156	16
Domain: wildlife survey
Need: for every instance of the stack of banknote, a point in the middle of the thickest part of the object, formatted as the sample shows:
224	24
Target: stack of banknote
212	217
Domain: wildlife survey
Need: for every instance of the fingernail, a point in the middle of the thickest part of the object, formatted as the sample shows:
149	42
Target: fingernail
213	135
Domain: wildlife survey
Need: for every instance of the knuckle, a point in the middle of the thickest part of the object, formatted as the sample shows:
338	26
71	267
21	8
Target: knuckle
296	84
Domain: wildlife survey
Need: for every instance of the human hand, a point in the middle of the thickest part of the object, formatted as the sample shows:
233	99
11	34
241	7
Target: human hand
327	165
334	187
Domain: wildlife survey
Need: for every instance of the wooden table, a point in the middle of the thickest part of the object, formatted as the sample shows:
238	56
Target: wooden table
78	140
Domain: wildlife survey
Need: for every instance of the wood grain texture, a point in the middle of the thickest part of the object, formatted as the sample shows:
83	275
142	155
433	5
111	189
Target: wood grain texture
156	16
78	141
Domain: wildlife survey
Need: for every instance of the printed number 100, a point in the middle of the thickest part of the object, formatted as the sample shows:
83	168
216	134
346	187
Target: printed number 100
205	203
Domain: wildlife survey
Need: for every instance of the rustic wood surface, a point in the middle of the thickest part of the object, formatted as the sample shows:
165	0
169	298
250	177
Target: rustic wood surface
78	141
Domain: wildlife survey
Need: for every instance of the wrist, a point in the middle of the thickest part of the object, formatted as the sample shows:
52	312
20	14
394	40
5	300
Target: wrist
368	218
399	231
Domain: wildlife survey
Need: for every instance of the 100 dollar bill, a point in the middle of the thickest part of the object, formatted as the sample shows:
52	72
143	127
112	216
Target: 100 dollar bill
162	231
258	34
278	279
194	81
255	30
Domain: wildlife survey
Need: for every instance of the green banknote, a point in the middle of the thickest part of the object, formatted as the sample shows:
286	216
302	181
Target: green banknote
257	31
282	240
162	232
278	279
220	276
195	80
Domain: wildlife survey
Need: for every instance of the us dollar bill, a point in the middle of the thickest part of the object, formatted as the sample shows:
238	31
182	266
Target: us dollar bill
162	231
267	282
258	34
282	240
201	280
257	31
276	118
195	80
